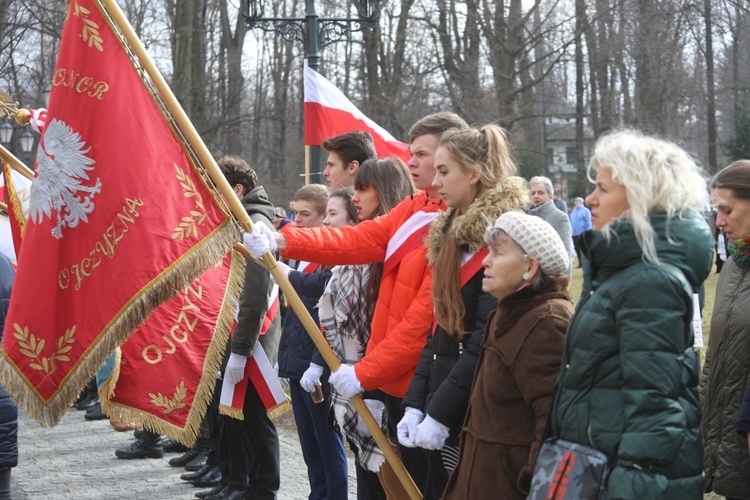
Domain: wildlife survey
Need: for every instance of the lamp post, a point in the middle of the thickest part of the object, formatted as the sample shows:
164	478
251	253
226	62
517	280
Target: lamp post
315	33
27	143
6	132
45	94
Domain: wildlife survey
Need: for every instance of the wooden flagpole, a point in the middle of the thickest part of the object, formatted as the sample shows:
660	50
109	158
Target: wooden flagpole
268	260
16	163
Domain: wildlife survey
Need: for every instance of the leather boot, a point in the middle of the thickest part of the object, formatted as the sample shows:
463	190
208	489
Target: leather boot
88	397
197	474
149	446
209	479
185	458
172	446
228	494
197	462
95	413
213	491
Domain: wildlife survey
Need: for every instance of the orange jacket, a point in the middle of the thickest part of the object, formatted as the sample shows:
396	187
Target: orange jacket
404	313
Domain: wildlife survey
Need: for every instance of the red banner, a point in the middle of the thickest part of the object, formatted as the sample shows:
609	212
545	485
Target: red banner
166	371
121	220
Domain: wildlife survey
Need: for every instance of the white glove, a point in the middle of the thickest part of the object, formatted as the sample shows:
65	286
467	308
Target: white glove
284	269
376	407
431	434
259	241
235	368
311	377
345	381
407	427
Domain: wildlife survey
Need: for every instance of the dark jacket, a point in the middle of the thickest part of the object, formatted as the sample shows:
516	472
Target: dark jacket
512	393
442	380
8	409
726	462
629	374
297	349
743	416
255	294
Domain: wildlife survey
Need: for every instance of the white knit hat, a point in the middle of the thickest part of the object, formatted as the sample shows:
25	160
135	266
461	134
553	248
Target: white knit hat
537	238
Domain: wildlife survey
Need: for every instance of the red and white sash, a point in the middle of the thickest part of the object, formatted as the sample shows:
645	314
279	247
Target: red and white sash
409	236
259	371
471	263
307	267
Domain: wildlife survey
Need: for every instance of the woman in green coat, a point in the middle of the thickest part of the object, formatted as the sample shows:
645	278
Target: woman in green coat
727	462
629	374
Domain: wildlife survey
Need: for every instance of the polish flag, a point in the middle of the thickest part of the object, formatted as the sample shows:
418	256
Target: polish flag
329	113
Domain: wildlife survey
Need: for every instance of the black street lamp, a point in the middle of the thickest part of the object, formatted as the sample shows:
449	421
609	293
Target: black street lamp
6	132
27	142
314	32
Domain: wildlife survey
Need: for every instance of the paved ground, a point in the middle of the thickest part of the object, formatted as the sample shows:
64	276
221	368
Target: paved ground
76	459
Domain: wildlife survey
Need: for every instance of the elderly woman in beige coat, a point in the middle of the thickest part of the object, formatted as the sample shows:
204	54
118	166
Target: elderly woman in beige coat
519	362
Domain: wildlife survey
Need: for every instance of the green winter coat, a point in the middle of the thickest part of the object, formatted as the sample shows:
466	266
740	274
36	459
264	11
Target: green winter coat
629	374
727	463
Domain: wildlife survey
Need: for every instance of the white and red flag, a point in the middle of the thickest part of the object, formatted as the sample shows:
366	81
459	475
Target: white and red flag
121	219
16	194
328	113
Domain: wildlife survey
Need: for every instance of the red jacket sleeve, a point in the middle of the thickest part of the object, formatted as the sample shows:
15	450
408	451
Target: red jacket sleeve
398	353
361	244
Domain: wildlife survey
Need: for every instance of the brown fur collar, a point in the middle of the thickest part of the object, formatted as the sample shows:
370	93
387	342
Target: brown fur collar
468	229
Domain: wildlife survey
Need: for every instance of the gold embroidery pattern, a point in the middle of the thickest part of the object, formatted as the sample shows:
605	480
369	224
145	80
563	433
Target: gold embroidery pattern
189	225
173	404
90	28
31	348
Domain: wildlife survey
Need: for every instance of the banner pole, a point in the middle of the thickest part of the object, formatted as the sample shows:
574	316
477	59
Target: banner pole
268	260
17	164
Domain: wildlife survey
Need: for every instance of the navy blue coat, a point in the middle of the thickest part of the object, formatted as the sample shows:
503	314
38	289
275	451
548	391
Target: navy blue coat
296	348
8	410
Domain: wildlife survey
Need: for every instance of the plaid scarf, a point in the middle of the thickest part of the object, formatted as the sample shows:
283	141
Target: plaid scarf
342	310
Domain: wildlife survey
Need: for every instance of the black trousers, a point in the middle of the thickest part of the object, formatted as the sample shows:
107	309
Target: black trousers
249	455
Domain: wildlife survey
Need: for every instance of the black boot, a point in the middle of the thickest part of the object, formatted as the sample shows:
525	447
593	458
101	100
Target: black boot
89	396
197	462
205	468
228	494
149	446
213	491
210	479
185	458
95	413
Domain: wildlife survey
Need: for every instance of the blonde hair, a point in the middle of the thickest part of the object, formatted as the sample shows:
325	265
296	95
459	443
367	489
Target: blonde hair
658	176
488	149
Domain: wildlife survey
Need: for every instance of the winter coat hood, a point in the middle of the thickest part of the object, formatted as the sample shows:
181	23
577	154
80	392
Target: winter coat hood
683	241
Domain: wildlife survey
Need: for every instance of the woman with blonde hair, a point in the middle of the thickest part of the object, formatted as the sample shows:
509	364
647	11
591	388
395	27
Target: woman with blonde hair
475	178
629	374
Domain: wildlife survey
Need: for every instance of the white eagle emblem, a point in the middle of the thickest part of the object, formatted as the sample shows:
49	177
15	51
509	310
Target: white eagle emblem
61	167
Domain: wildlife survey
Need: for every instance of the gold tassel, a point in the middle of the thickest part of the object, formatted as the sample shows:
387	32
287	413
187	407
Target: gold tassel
232	412
280	409
211	366
178	276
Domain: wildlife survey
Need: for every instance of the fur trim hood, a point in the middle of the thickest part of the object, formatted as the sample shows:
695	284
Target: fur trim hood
468	229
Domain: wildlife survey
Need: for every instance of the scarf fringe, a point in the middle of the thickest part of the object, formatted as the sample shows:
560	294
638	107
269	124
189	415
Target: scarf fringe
211	367
164	287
